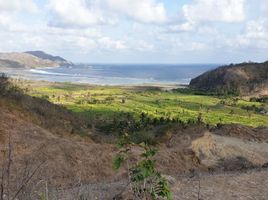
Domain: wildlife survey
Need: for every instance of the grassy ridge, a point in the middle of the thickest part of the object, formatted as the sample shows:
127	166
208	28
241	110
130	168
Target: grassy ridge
110	102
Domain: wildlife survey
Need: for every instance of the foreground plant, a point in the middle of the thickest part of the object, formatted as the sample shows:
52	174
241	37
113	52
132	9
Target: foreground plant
144	180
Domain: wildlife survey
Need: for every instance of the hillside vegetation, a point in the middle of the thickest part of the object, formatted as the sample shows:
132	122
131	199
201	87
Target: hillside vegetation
40	111
240	79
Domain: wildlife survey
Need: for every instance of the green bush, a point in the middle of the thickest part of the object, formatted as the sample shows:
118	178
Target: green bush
144	179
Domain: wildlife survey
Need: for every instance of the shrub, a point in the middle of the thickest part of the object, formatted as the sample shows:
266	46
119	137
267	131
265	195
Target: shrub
145	181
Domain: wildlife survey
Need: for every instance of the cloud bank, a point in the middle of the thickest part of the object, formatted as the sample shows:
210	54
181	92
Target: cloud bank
138	31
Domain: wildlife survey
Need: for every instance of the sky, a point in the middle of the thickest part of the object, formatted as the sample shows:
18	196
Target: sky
138	31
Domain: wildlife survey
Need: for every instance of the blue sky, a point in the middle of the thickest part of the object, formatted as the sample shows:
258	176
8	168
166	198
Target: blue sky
138	31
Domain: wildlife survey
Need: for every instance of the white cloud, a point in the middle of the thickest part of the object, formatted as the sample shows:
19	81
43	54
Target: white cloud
197	14
12	10
215	10
78	13
257	29
264	6
55	40
110	44
17	5
143	46
84	13
4	21
255	35
145	11
73	29
184	27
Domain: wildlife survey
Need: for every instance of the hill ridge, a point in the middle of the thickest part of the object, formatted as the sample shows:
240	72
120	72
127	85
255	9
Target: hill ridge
244	78
31	59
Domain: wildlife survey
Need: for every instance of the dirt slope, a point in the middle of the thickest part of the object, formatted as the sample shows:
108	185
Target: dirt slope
214	150
245	185
70	157
65	155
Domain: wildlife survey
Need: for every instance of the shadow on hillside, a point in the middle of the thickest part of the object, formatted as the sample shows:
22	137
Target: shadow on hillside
54	118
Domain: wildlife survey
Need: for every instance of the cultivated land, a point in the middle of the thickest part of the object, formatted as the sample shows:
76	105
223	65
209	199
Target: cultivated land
107	103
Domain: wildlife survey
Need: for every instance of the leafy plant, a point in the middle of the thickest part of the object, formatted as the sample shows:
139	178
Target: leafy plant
144	179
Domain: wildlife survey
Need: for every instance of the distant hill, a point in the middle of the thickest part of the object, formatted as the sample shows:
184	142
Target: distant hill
244	79
31	59
10	64
43	55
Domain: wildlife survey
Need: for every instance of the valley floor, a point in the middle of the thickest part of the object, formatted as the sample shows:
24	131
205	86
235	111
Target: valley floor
109	102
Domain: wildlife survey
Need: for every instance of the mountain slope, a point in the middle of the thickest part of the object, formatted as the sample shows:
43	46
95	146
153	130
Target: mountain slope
244	78
43	55
33	59
10	64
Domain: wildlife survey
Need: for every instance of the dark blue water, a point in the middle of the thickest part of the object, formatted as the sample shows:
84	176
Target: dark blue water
122	74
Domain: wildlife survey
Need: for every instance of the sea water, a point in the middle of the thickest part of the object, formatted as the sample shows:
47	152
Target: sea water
121	74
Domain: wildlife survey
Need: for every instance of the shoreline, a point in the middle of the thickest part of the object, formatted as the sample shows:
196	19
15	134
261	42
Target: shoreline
19	75
107	78
161	86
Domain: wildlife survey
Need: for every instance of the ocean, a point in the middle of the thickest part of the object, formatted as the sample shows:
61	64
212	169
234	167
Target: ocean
121	74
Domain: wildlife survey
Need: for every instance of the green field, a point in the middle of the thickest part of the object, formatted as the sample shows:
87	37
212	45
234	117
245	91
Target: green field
106	103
